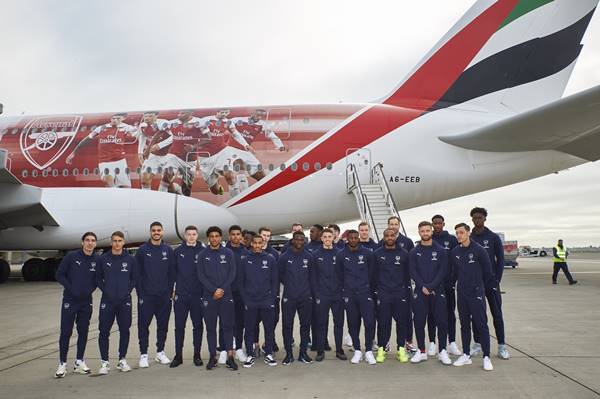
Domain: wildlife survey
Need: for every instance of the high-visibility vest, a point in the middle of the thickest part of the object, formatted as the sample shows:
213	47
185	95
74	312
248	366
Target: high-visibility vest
561	254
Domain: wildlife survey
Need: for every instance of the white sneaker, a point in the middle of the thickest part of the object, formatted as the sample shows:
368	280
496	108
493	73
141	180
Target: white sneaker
487	364
388	346
348	342
162	358
123	366
463	360
418	357
61	371
240	355
103	368
144	361
503	352
432	349
453	349
370	358
356	358
476	350
81	368
444	358
223	357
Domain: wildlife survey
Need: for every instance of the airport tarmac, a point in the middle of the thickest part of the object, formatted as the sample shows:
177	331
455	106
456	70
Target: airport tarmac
552	332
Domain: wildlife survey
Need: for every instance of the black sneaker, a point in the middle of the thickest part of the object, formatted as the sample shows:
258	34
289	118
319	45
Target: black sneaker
177	360
275	347
573	282
231	364
327	347
198	360
289	359
341	355
270	361
304	358
249	362
553	281
212	363
320	356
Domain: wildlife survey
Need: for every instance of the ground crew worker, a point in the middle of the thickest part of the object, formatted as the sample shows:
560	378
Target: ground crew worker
77	274
216	272
560	254
471	270
428	269
294	272
187	296
259	285
115	277
155	266
392	281
492	243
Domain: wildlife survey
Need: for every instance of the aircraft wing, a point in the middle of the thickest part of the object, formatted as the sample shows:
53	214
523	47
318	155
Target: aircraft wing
21	204
570	125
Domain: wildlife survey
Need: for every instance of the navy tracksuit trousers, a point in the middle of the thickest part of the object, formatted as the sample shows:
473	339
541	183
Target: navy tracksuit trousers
289	307
494	300
185	305
360	307
108	313
238	323
223	310
252	315
395	308
434	306
153	306
74	311
323	306
473	309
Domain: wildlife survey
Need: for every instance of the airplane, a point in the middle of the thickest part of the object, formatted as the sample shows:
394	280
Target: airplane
482	109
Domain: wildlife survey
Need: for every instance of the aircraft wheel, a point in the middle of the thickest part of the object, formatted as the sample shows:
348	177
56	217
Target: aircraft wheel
4	271
33	269
50	268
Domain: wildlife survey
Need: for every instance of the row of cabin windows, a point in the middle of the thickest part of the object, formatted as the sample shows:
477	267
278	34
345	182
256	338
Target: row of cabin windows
96	171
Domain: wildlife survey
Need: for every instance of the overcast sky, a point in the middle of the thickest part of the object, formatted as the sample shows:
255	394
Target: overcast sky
67	56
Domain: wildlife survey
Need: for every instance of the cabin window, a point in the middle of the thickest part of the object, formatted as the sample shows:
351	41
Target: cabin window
24	173
34	173
317	165
85	171
329	166
294	167
75	172
305	166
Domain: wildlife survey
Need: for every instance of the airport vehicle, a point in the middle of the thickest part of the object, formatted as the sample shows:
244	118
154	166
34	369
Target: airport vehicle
526	250
483	109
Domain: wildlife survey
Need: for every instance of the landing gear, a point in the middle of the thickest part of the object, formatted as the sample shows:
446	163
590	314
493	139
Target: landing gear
50	268
4	271
33	270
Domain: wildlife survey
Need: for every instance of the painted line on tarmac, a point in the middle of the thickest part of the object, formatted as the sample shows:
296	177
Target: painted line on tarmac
550	273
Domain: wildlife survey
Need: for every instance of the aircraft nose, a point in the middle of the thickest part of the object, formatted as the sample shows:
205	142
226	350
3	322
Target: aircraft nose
192	211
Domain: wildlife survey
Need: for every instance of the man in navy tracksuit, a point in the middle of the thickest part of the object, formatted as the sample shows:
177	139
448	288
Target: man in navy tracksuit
155	266
358	271
492	243
265	233
77	274
259	285
314	244
365	237
448	241
338	243
327	286
187	295
236	246
428	269
116	279
216	272
295	267
392	281
295	227
472	271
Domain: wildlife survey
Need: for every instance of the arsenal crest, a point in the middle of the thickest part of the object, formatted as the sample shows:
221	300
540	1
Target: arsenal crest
44	140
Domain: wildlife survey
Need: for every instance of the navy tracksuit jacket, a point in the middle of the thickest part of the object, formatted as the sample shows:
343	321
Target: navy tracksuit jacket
155	266
295	270
77	274
259	285
472	270
238	302
188	296
448	241
327	287
371	244
492	243
392	283
116	279
217	269
428	269
358	273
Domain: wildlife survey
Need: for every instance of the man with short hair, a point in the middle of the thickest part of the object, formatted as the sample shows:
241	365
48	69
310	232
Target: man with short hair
216	271
295	267
356	265
392	280
448	241
77	274
560	254
428	268
492	243
187	296
337	241
116	279
364	236
295	227
259	285
327	286
155	265
265	233
315	238
471	271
